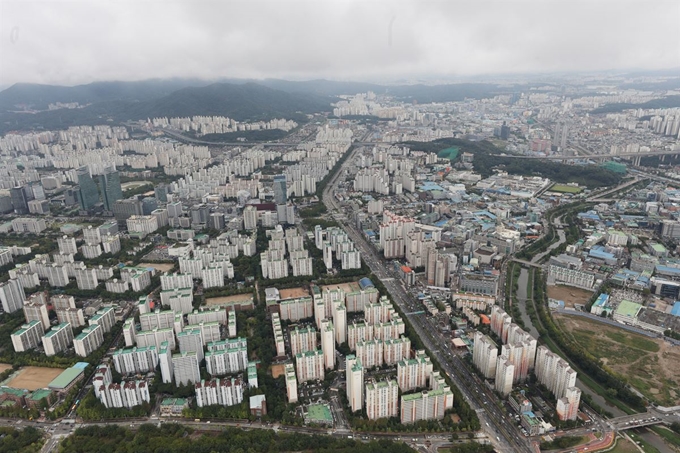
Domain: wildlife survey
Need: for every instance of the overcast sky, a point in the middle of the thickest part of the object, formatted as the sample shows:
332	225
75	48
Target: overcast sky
72	42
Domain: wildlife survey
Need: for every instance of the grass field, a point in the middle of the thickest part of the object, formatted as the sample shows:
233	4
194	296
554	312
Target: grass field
33	377
449	153
650	365
624	446
562	188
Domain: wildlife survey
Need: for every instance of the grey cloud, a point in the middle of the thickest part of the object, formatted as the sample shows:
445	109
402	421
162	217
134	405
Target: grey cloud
69	42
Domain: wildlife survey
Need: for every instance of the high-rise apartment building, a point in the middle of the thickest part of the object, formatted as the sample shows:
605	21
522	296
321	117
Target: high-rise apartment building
382	399
354	375
57	339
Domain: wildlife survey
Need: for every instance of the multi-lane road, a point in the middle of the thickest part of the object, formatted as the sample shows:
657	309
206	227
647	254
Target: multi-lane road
501	430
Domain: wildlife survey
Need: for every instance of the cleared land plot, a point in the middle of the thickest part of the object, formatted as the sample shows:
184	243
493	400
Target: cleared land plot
346	287
278	370
649	365
4	367
569	294
565	189
624	446
34	377
133	184
227	299
293	293
161	267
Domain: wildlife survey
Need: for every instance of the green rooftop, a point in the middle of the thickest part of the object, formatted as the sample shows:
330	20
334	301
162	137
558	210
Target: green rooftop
65	378
628	309
40	394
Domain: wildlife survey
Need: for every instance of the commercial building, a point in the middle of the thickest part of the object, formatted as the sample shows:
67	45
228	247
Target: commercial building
109	182
88	193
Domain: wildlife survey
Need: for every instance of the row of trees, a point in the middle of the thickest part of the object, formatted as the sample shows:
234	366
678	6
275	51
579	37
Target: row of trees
171	438
617	387
27	440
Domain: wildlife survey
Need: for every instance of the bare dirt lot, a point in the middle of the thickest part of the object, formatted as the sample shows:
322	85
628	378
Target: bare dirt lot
292	293
569	294
161	267
346	287
278	370
34	377
4	367
650	365
227	299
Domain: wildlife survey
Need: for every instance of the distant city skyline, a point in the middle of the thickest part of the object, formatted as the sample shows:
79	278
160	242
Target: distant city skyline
69	43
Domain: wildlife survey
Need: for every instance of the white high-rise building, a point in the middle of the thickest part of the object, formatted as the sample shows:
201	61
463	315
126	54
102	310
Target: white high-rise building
505	372
12	296
396	350
310	366
567	406
250	218
291	383
328	343
382	399
191	340
223	392
89	340
426	405
185	367
176	281
58	339
135	360
370	353
227	356
27	337
484	355
414	373
86	279
37	312
354	374
213	277
340	322
302	339
67	245
165	359
278	335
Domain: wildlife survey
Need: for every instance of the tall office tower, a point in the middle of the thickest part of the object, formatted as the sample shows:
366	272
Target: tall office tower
109	182
89	195
19	200
280	189
382	399
12	295
354	375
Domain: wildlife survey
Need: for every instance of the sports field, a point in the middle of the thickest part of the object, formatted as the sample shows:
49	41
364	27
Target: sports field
33	377
563	188
650	365
319	412
161	267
